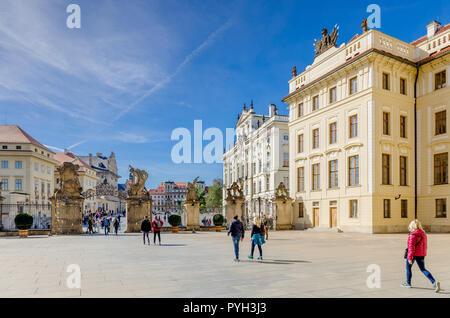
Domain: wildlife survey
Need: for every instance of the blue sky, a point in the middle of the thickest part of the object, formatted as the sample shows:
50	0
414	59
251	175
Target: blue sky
136	70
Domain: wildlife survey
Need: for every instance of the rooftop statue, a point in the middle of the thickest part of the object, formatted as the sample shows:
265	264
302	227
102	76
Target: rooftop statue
282	192
137	186
327	41
68	180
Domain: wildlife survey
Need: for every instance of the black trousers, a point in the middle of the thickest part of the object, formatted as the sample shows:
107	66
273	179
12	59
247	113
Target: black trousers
154	236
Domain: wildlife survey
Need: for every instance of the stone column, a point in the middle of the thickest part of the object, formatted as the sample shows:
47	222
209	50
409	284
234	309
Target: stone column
67	214
137	209
234	207
283	213
192	215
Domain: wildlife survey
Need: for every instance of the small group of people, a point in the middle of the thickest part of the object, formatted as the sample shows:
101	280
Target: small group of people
98	220
147	226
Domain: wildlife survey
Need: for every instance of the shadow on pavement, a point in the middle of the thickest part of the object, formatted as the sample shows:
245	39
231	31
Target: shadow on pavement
274	261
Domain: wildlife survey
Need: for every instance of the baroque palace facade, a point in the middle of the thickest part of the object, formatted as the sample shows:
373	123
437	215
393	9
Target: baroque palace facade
368	129
259	160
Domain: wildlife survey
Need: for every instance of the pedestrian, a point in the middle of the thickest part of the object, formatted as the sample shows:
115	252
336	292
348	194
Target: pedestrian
116	225
146	227
106	225
90	229
237	233
157	225
416	251
257	238
266	226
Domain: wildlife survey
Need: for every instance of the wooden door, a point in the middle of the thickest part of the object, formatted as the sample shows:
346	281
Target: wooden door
333	217
316	216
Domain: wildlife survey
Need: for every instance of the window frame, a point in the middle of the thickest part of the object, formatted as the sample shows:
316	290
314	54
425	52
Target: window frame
333	174
440	123
386	169
442	168
386	81
353	209
353	166
332	95
353	126
315	173
353	89
316	137
443	208
403	126
403	170
386	123
387	208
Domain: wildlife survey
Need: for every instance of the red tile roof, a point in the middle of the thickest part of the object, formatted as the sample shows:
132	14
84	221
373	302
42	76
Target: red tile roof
15	134
62	157
436	54
423	38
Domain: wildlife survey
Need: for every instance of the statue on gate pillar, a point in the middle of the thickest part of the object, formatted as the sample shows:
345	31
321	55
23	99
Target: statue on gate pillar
139	203
235	200
283	208
192	206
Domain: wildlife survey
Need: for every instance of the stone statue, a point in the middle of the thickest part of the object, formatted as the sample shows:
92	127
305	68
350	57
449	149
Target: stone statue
327	41
137	186
294	71
235	191
69	183
364	25
282	192
191	195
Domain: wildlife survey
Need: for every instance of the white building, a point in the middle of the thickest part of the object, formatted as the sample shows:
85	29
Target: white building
259	159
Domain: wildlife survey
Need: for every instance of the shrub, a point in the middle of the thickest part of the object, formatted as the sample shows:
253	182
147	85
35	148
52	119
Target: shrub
23	221
174	220
218	219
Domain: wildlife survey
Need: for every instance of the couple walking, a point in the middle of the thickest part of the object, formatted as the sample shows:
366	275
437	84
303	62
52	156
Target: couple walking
237	234
146	228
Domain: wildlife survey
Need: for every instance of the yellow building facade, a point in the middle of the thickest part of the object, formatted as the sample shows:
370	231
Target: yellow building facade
361	116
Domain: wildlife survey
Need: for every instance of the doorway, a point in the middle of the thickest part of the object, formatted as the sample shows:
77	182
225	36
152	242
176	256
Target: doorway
333	217
315	217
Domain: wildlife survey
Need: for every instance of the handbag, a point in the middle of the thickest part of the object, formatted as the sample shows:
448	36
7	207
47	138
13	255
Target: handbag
406	250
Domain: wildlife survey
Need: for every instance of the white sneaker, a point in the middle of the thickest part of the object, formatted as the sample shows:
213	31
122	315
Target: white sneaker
437	287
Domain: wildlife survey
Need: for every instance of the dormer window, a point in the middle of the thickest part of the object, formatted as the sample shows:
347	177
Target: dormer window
4	147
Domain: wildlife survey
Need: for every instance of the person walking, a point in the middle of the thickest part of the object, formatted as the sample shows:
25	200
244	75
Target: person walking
237	234
416	252
106	225
266	226
90	229
116	225
157	225
146	227
257	237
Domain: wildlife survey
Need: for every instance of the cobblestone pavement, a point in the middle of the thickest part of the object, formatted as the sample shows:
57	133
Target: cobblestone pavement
296	264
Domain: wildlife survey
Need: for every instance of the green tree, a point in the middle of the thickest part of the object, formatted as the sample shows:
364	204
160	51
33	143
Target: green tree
214	197
201	197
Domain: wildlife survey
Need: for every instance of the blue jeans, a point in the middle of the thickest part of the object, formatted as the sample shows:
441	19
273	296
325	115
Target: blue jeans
253	248
421	263
236	240
144	235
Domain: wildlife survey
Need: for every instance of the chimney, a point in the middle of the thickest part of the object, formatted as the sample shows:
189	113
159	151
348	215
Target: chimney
272	110
66	151
432	28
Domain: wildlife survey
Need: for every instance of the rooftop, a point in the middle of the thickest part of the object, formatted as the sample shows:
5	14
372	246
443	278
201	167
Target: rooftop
15	134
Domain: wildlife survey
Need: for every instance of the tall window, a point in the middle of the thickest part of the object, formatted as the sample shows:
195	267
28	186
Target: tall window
267	183
441	122
300	143
333	174
386	128
404	209
403	171
4	164
300	110
301	209
316	176
315	138
300	179
353	170
4	184
36	166
353	85
333	96
386	81
403	126
333	133
353	126
286	159
267	161
441	168
315	104
386	169
18	184
440	80
441	208
18	164
403	86
387	208
353	209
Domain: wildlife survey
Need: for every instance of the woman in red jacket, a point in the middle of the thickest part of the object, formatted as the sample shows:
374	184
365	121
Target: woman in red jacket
417	250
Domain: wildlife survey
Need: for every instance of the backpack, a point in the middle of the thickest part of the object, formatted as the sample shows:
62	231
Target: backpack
157	224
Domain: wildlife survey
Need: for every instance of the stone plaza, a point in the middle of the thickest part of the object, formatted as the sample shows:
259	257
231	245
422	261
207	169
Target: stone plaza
296	264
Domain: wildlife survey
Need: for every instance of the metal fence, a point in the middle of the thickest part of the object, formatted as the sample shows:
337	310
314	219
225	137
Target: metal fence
42	215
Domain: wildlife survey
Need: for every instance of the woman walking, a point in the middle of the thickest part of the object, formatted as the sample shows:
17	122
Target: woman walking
257	238
416	251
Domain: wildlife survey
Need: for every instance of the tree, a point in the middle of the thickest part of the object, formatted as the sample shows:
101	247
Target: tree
214	197
201	197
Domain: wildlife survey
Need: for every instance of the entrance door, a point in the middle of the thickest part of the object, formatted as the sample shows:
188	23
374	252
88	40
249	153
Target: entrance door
333	217
316	217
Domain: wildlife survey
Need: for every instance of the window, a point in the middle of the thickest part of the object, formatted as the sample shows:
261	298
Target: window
36	167
386	128
404	208
441	208
267	183
403	126
4	164
403	86
440	80
441	168
4	184
300	110
353	209
386	81
403	171
300	143
333	174
18	164
333	133
49	171
333	97
387	208
300	179
441	122
353	171
315	138
315	104
353	126
267	162
301	209
316	176
386	169
353	85
286	159
43	169
18	147
4	147
18	184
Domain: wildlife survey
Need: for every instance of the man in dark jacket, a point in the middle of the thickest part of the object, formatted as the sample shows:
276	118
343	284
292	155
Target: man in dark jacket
237	233
146	227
